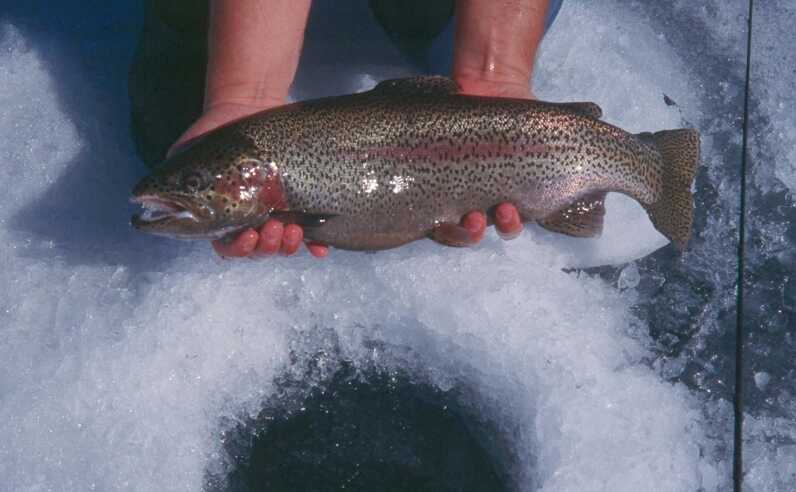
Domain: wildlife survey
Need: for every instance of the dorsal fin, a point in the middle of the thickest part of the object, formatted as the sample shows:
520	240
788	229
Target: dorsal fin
431	85
585	108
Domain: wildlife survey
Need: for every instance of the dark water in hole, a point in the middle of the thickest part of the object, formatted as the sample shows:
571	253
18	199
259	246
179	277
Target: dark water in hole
375	431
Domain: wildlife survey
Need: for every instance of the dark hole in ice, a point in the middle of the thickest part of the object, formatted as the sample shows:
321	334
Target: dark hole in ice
362	431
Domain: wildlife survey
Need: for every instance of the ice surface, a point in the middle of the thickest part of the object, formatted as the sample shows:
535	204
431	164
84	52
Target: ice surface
124	357
770	301
773	71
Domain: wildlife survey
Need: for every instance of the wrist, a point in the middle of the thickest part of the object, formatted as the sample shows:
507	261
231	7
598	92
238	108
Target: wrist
241	93
253	50
488	61
495	45
478	83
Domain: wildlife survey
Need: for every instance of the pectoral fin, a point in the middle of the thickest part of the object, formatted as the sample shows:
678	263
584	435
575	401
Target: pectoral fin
584	218
451	234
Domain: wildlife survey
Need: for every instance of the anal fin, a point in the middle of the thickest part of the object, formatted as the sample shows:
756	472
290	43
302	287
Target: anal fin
584	218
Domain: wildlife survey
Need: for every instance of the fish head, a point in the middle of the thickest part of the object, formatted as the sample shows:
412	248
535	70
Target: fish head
217	186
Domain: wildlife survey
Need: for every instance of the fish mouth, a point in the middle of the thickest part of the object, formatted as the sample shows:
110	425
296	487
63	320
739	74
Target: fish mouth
179	219
159	212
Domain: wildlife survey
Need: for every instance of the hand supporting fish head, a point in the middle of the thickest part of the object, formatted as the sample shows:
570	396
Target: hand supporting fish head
210	190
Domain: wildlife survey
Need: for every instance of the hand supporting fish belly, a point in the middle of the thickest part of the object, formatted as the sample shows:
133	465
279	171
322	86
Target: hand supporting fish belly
410	158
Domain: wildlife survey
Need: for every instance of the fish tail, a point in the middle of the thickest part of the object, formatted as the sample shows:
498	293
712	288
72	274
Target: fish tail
672	214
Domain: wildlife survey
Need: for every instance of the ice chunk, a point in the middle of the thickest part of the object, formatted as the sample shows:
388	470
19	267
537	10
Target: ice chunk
761	380
629	277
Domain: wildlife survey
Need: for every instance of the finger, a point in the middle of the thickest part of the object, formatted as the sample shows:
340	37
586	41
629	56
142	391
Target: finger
475	223
270	238
318	250
191	135
291	239
507	221
242	245
180	145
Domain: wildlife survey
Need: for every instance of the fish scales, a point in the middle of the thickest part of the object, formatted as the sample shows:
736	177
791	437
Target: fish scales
389	166
384	165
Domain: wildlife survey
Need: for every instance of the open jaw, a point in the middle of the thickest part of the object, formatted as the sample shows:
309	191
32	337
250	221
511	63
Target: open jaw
160	211
179	219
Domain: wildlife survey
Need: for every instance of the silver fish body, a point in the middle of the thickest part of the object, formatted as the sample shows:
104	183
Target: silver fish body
409	158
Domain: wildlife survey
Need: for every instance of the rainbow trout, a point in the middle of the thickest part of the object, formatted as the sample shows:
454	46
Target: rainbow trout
408	159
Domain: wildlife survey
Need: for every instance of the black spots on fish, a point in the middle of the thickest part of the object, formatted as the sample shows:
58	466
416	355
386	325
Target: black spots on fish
153	184
449	152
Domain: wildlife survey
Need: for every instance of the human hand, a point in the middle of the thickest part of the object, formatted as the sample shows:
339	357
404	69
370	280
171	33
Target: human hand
214	117
505	216
271	238
254	48
494	53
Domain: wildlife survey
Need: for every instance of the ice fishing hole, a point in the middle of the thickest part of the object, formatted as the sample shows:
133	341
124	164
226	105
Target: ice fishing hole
365	430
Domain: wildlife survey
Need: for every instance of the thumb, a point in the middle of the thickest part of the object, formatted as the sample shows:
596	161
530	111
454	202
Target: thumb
194	133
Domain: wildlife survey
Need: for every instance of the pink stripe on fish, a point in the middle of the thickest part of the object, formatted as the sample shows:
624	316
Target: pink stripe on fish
447	151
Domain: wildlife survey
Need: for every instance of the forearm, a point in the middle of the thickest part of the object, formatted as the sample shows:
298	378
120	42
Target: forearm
253	52
496	43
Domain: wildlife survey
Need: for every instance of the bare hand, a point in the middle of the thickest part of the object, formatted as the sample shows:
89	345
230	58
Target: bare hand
244	78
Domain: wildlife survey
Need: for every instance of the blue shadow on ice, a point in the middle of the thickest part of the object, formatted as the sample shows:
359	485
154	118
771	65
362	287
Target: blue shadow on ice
86	48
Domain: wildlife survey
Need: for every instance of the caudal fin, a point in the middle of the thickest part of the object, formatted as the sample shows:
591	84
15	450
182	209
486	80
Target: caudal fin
673	213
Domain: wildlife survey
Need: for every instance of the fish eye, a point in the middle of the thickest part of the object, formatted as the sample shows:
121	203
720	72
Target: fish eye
193	181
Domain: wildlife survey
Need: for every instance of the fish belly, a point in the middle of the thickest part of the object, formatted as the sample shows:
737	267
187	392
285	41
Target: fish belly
385	217
385	179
